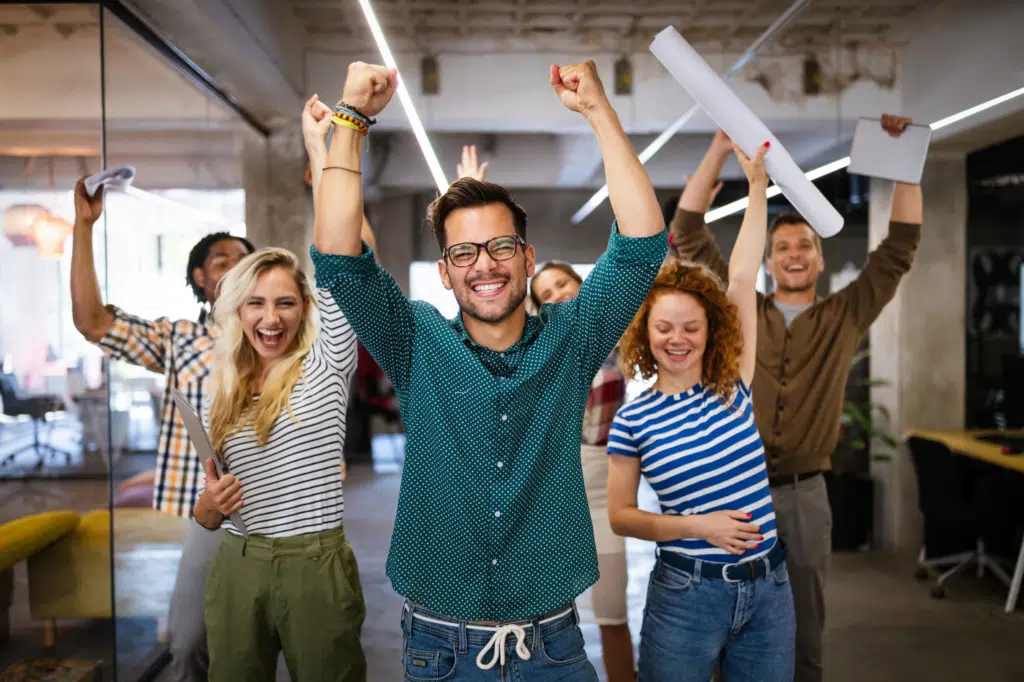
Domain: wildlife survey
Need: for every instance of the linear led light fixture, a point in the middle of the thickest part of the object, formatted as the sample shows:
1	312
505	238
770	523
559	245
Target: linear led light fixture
660	141
838	164
403	94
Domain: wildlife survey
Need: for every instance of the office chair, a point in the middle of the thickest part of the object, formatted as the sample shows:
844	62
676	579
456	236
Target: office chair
35	408
955	507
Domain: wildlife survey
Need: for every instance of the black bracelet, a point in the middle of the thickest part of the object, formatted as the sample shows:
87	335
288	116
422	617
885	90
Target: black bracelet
341	168
349	109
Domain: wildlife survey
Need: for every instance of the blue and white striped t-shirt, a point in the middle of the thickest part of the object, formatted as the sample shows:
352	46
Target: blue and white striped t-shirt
700	455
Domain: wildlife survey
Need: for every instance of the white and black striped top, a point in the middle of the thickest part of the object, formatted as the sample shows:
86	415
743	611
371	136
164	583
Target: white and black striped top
293	485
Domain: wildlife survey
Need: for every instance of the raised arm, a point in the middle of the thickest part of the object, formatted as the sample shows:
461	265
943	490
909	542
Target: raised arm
691	238
470	166
632	197
877	283
747	254
92	319
371	301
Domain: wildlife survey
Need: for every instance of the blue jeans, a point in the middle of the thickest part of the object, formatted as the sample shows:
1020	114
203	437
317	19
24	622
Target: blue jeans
436	647
690	623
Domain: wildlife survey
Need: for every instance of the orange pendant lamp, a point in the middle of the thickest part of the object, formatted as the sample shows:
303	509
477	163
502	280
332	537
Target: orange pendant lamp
50	233
19	223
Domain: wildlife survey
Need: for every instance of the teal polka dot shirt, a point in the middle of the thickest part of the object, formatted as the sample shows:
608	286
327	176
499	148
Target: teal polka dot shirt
493	522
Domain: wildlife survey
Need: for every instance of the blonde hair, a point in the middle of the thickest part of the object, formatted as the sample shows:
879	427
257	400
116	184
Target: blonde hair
236	363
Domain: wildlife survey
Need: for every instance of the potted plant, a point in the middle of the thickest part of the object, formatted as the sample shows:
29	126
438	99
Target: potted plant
866	439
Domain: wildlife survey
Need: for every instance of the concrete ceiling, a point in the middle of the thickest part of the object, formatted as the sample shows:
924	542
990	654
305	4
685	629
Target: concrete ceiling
471	25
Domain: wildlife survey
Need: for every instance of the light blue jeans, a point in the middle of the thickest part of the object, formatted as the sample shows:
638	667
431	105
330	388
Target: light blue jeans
439	648
691	623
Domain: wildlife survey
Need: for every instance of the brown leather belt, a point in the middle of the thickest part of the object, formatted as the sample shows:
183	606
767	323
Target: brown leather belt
792	479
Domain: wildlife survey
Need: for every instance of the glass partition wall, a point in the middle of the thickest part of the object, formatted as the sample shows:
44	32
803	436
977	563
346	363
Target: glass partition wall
87	560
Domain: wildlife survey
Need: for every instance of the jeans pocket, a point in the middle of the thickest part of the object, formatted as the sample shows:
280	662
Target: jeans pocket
564	646
429	664
671	578
780	576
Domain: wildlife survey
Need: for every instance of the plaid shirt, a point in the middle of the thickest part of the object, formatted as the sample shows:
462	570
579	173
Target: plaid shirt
607	393
183	351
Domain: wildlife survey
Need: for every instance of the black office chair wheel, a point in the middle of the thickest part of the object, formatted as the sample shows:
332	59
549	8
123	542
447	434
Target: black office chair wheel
921	573
938	592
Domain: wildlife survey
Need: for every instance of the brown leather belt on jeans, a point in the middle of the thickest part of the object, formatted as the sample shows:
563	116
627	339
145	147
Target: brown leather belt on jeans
792	479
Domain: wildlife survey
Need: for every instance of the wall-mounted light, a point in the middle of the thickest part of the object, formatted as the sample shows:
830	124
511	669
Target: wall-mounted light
50	233
623	76
18	222
430	76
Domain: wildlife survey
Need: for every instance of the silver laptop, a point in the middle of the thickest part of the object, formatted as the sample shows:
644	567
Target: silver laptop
876	154
194	426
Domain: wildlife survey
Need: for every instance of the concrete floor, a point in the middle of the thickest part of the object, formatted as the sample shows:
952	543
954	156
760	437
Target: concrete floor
883	625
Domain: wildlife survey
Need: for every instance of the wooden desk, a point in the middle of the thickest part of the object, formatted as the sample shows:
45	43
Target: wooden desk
965	443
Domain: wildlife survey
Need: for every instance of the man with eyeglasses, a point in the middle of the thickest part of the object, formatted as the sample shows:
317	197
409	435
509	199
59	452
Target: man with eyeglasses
493	539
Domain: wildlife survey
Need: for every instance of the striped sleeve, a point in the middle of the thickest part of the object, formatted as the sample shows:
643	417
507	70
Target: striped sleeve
620	438
335	342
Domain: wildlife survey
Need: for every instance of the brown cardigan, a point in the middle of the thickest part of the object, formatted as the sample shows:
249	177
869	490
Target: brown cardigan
800	381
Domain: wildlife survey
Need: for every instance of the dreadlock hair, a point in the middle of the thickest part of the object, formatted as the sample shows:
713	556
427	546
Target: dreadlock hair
197	256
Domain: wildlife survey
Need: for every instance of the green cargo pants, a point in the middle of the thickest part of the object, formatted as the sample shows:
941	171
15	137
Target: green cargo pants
298	594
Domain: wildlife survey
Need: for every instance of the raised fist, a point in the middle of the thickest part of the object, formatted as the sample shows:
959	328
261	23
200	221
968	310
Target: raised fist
579	87
369	87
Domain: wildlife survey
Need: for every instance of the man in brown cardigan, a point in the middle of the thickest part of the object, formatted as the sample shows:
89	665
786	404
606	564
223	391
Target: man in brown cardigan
804	348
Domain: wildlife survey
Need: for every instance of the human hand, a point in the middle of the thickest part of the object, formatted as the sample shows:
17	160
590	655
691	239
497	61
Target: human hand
579	87
728	530
721	143
470	168
369	87
224	493
87	209
754	168
316	123
895	125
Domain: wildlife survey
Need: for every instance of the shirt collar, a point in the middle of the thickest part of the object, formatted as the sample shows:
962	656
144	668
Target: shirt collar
530	330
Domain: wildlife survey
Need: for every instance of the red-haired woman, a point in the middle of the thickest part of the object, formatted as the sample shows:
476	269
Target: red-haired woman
719	589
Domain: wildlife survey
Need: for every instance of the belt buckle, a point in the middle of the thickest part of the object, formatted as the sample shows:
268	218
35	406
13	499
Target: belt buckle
725	574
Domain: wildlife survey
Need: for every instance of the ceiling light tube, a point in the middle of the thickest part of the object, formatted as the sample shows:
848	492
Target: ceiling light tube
662	139
403	94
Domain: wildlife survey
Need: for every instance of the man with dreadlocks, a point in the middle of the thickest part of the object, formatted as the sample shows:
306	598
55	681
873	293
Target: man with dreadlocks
183	351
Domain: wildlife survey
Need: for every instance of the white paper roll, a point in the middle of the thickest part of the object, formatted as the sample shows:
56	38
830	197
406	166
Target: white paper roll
745	129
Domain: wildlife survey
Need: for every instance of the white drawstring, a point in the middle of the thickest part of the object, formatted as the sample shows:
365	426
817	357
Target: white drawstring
498	642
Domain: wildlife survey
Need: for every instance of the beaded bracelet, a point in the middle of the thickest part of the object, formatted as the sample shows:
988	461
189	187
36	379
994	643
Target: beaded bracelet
355	113
348	122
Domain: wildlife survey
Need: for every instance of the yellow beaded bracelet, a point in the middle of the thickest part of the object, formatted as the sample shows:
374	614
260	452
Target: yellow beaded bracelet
349	124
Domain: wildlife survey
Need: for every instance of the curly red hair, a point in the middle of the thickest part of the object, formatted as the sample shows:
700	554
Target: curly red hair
721	362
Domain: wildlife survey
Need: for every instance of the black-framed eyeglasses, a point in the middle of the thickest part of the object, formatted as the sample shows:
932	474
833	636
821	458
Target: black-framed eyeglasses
465	254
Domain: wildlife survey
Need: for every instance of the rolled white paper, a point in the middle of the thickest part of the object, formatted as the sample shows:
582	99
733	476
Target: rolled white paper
118	177
746	130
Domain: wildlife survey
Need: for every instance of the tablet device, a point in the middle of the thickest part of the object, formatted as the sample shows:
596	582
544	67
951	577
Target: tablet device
200	439
878	155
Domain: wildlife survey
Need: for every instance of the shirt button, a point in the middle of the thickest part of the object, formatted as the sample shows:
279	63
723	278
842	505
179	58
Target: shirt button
494	562
504	417
497	514
500	465
501	355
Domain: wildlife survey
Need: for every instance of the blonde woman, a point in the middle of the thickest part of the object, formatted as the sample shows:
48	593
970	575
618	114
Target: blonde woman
277	422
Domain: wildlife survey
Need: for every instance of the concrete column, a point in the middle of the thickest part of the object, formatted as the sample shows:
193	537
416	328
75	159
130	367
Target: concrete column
395	221
918	342
278	202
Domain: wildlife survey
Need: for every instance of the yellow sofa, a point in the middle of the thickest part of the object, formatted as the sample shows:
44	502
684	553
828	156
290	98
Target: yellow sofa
71	578
19	540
